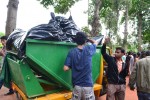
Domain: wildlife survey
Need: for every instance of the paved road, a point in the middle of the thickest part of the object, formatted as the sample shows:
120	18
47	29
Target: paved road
130	95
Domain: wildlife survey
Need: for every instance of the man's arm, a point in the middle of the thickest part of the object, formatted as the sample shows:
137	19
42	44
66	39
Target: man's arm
67	64
132	78
103	51
93	41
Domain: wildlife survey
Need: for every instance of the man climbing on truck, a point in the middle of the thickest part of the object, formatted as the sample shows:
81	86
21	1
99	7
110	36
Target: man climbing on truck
79	60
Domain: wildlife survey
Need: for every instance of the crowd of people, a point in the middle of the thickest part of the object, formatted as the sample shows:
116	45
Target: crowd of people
122	64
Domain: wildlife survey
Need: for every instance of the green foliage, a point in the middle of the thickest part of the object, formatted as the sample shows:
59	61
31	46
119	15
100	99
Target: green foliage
60	6
146	28
146	36
109	14
139	6
85	29
1	34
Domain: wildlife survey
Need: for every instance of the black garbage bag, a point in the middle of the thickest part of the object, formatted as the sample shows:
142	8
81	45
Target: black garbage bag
58	29
47	32
16	39
44	32
68	26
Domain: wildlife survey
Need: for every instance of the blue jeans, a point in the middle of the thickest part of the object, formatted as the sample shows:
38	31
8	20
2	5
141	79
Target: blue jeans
83	93
143	96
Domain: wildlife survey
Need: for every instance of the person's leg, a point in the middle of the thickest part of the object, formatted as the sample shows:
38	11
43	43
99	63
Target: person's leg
120	94
1	83
88	93
76	94
11	91
111	90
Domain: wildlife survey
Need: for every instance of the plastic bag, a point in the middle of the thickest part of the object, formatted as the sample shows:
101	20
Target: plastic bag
58	29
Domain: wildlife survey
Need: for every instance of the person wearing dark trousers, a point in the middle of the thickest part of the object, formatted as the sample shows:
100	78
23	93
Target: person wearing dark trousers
116	73
2	53
141	77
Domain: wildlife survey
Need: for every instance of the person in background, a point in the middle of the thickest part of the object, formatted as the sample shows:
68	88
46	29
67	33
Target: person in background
141	77
124	57
131	64
116	73
2	53
79	60
128	61
142	54
134	56
138	56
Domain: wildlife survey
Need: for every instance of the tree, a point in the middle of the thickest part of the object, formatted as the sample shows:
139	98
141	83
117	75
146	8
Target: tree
96	17
138	12
110	17
11	16
60	6
108	11
126	16
2	34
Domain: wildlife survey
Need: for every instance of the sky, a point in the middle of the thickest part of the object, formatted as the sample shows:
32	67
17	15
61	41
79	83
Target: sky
31	13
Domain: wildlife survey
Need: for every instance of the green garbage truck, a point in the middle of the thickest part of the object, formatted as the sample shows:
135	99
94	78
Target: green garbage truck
40	76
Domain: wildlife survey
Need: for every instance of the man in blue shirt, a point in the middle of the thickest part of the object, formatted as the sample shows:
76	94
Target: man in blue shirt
79	60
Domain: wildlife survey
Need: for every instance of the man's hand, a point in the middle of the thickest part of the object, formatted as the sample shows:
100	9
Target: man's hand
106	40
66	68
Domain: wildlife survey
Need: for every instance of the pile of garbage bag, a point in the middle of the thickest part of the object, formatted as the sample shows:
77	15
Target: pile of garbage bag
58	29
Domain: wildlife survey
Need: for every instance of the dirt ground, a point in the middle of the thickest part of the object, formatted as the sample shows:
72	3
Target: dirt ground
130	95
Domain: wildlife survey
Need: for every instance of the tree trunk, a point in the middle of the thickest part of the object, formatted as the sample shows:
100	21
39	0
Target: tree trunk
11	16
95	23
117	20
140	31
126	27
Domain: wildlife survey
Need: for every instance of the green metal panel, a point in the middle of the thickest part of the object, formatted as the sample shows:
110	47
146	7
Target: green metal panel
96	60
49	59
24	78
